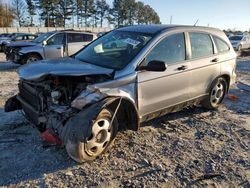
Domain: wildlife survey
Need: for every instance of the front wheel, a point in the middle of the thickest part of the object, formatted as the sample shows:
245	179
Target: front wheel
102	136
216	94
32	58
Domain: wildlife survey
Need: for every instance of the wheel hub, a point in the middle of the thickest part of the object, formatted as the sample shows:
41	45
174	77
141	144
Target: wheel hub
217	93
101	135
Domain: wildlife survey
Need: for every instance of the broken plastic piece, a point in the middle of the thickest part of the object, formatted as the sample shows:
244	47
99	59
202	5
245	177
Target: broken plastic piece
233	97
50	137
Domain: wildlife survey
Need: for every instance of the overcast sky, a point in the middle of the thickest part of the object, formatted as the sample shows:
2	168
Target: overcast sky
223	14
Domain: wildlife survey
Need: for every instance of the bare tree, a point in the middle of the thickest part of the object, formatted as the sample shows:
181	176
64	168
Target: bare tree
31	10
19	8
102	10
6	15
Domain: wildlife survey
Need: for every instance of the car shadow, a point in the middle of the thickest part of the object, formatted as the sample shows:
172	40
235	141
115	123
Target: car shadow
185	113
8	66
23	154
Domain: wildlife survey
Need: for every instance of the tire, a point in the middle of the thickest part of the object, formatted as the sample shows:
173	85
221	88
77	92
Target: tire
103	134
31	58
216	95
3	48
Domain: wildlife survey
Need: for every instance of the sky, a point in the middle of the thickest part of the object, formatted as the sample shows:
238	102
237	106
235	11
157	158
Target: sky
223	14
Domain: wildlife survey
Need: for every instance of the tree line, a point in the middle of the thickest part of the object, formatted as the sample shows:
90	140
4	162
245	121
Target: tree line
76	13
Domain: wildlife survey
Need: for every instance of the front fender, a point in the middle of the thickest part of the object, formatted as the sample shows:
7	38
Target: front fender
32	49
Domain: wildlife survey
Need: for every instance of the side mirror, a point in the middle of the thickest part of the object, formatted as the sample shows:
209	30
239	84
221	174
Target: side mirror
157	66
44	42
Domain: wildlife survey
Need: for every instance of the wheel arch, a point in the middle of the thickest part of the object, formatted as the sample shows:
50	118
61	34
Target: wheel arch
224	76
127	113
36	53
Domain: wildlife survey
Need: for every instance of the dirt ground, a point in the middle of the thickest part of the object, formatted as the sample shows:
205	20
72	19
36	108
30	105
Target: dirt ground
191	148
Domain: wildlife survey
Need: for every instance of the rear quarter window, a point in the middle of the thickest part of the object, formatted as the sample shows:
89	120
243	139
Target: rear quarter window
221	45
78	37
201	45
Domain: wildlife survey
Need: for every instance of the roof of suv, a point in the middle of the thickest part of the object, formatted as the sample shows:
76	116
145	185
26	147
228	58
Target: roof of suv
72	31
157	28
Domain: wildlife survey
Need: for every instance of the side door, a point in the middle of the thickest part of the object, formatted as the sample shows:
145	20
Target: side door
244	42
159	90
248	41
204	63
55	46
76	41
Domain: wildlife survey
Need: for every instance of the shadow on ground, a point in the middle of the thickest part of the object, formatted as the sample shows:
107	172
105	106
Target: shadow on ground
7	66
24	156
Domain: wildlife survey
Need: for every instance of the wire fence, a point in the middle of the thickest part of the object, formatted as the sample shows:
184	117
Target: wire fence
47	29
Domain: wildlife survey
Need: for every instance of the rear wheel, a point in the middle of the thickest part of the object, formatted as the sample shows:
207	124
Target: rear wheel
216	94
103	134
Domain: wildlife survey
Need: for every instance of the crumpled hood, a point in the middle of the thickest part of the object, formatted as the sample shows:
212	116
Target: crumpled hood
22	44
60	67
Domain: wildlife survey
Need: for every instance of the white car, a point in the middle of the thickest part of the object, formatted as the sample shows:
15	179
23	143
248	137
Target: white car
240	42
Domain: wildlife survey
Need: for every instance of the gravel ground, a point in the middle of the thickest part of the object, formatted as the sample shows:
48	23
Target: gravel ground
191	148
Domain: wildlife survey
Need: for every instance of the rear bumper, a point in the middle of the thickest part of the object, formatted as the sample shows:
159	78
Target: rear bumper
233	79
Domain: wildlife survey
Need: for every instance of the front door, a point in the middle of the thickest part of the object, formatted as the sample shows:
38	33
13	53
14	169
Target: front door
159	90
55	46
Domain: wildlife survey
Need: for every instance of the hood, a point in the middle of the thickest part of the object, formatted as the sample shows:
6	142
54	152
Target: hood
21	44
60	67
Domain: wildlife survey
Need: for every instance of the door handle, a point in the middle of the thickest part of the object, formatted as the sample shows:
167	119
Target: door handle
183	67
214	60
59	48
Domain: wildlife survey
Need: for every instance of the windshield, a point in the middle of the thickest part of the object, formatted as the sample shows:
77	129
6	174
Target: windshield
235	37
114	50
42	37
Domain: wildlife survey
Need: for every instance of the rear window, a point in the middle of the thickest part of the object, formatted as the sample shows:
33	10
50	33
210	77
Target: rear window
201	45
235	37
31	37
78	37
221	45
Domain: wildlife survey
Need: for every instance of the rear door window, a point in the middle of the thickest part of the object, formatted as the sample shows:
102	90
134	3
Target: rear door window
221	45
201	45
78	37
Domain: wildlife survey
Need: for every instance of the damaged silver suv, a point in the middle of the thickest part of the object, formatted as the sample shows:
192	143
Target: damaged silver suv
130	75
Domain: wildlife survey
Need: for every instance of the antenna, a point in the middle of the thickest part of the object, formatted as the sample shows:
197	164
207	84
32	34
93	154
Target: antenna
196	22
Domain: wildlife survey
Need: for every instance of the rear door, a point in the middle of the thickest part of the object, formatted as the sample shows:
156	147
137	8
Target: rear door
77	41
159	90
55	46
204	63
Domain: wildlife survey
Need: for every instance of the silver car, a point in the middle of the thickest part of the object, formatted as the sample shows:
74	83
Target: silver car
240	42
49	45
156	69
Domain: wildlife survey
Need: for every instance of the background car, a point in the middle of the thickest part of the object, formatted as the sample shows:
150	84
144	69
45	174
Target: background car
16	38
6	38
49	45
240	42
